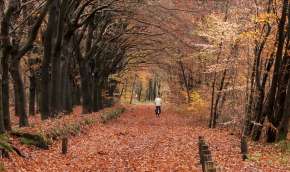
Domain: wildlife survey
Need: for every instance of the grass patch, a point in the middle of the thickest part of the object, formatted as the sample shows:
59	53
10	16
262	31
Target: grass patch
44	138
27	141
255	157
4	137
285	159
284	146
64	131
88	121
114	114
38	139
4	144
69	129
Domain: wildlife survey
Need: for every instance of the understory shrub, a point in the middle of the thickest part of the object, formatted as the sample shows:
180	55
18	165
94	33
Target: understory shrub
114	114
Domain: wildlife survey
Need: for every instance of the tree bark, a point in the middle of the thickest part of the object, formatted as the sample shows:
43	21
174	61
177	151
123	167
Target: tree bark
132	90
32	95
17	81
56	60
269	105
185	81
85	81
45	66
284	125
2	127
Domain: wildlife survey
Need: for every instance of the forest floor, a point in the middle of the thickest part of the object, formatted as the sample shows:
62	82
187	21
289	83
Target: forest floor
138	141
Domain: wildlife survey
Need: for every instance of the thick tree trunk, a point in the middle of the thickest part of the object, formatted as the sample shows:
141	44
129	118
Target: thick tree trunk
97	94
17	81
66	89
5	93
85	87
100	96
69	99
76	93
45	96
2	126
56	87
45	67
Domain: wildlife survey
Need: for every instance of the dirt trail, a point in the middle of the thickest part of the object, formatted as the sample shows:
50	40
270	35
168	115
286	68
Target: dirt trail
137	141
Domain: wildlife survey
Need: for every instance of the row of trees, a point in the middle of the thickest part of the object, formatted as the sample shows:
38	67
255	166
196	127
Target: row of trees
71	47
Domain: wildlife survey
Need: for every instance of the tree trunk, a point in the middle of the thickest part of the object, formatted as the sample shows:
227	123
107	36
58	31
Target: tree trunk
76	94
56	87
212	102
271	98
284	125
14	70
67	85
185	80
69	98
45	67
32	95
86	97
97	94
132	91
218	97
5	94
2	127
16	101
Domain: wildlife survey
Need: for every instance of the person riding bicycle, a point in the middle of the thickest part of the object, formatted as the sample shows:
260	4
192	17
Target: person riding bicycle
158	102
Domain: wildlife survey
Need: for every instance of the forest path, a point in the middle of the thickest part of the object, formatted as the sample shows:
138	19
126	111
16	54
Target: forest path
137	141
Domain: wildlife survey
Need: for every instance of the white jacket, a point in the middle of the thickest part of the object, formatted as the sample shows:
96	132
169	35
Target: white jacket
158	101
